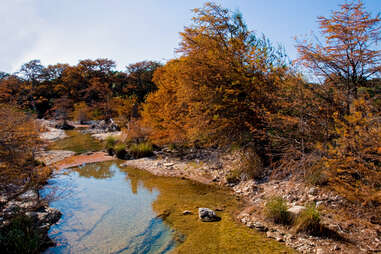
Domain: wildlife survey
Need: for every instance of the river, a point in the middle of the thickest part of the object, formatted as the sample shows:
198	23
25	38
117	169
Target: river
112	209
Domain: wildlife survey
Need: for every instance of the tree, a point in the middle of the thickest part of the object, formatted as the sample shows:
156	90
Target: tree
220	87
140	76
18	143
33	72
350	55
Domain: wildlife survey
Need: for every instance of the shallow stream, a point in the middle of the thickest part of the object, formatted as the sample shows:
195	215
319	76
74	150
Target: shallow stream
112	209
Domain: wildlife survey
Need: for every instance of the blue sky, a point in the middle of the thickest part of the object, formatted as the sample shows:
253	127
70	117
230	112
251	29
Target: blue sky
129	31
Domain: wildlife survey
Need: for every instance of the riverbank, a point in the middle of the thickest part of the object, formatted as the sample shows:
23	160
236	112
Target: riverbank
60	159
347	234
25	217
353	234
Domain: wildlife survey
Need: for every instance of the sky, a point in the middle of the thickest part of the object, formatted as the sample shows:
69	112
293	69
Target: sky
126	31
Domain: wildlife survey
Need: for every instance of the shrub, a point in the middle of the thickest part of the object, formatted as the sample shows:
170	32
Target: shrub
109	145
250	164
141	150
20	236
276	210
120	151
317	176
309	221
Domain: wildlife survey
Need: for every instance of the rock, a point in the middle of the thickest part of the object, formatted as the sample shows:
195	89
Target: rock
313	191
63	125
187	212
259	226
28	195
275	235
3	199
31	214
207	215
296	210
29	204
12	207
49	216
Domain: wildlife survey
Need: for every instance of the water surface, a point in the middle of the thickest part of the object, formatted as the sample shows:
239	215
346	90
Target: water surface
109	209
104	213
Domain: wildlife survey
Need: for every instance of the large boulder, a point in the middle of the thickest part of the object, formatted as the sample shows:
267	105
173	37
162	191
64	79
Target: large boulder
207	215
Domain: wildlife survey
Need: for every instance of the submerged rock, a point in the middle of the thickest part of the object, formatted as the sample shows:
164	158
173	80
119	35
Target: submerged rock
187	212
207	215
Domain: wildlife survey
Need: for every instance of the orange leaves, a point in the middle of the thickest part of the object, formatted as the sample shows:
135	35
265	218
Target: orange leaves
18	139
221	86
349	56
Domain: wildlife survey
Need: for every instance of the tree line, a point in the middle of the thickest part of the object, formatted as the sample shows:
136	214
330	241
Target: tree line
58	89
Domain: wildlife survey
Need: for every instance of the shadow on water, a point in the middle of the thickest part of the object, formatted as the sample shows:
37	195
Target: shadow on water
125	210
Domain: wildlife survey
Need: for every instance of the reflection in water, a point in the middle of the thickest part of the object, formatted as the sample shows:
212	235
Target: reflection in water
95	170
103	215
124	210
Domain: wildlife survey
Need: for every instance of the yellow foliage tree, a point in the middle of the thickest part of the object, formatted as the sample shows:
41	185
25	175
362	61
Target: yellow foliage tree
354	160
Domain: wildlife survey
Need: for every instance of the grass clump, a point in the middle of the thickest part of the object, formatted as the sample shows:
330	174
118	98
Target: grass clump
276	210
141	150
20	236
308	221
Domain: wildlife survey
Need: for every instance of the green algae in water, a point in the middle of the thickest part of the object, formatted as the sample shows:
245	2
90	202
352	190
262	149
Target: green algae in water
225	236
115	210
77	142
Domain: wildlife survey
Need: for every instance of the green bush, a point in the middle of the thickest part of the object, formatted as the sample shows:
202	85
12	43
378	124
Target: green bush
120	151
308	221
109	145
110	142
276	210
141	150
20	236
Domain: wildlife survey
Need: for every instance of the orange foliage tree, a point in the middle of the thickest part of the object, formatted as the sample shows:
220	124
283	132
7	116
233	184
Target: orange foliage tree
221	86
350	56
18	143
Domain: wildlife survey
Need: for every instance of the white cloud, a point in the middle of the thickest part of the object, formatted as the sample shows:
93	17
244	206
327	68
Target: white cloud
19	32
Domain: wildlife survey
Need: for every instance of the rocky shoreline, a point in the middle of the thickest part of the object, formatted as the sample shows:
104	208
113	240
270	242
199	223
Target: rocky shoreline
348	236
